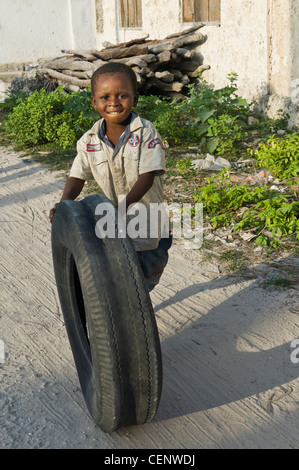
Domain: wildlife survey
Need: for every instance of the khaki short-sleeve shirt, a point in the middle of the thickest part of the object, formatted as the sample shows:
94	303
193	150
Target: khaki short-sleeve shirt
116	170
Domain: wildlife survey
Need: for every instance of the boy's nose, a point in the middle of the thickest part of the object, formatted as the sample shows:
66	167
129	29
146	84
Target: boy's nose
114	101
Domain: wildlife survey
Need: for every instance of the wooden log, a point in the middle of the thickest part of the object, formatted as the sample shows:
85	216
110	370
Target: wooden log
99	62
164	56
158	48
145	70
70	64
140	60
107	44
148	58
120	52
200	68
87	55
149	74
163	86
66	78
165	76
185	80
75	73
130	61
147	84
175	58
188	39
177	74
188	65
186	53
132	42
161	60
140	78
68	87
160	63
186	31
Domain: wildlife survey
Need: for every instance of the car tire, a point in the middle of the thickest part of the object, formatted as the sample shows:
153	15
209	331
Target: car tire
108	316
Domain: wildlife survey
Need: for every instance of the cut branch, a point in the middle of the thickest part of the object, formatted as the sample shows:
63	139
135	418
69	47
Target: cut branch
167	64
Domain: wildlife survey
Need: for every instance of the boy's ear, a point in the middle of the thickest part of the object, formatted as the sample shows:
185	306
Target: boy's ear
136	99
93	103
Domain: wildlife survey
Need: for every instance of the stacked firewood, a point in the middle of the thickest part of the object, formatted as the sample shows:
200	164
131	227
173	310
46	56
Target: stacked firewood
164	65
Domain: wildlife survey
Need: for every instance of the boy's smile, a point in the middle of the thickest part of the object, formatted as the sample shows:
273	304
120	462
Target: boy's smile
114	98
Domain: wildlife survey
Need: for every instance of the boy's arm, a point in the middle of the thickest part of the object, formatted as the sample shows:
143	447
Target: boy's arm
72	189
142	185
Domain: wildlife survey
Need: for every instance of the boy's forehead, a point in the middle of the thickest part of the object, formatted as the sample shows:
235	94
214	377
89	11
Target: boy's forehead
107	79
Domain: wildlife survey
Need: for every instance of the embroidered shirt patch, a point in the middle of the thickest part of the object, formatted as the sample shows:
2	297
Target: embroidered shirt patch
153	143
134	140
94	148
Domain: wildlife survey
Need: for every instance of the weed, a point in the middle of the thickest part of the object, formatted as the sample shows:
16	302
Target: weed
185	167
276	282
50	117
213	121
280	155
234	259
215	118
265	209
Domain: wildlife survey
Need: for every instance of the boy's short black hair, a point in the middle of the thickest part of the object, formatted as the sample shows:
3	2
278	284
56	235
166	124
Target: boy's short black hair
114	68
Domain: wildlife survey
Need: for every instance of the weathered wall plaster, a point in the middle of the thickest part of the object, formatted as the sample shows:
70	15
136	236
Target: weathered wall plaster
34	29
257	39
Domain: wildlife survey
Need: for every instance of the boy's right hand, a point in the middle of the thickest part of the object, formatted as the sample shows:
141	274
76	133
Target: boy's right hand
52	212
72	189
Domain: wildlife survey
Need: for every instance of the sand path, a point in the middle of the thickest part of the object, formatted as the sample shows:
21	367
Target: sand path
229	381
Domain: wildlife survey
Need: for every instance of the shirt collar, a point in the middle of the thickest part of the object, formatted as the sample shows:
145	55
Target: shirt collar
134	124
100	129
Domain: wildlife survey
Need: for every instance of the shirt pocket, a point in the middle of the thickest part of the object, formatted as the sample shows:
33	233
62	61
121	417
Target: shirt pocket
99	166
132	153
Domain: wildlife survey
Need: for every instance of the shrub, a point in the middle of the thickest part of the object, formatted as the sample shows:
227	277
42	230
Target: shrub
213	118
55	117
265	209
280	155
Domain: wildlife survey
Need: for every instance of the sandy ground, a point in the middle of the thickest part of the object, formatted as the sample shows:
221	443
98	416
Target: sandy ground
229	381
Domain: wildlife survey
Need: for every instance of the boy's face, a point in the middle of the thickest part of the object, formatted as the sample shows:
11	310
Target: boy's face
114	98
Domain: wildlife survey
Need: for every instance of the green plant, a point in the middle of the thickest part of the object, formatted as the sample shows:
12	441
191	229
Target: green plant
280	155
276	282
170	117
221	116
266	210
55	117
275	214
222	135
214	117
185	167
234	259
12	100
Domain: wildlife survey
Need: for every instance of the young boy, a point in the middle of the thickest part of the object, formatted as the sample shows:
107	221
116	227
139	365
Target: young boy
125	155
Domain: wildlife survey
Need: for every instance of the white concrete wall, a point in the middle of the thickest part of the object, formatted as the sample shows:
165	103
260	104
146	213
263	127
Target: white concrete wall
238	45
257	39
159	20
35	29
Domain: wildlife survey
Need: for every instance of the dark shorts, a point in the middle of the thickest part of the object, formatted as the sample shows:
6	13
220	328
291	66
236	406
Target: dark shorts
154	261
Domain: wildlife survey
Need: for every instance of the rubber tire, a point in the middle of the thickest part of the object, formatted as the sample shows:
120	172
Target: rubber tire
108	316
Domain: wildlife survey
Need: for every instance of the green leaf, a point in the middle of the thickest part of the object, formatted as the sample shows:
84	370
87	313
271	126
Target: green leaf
212	144
204	115
202	129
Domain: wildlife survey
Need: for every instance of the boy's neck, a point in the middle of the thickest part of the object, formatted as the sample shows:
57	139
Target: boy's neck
114	131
